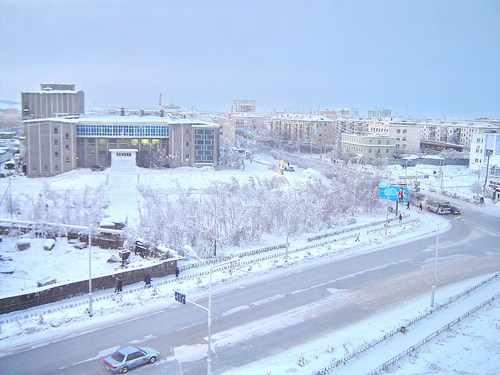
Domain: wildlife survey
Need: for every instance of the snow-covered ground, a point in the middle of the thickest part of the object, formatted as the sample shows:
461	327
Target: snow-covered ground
67	316
120	188
310	357
471	347
64	263
457	179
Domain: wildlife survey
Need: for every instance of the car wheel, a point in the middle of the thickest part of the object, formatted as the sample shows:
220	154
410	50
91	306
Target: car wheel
124	370
152	360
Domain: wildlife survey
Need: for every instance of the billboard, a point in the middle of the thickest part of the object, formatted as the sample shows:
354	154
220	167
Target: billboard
393	192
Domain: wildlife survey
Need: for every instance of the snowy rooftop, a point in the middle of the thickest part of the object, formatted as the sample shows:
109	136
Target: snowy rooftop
129	120
301	117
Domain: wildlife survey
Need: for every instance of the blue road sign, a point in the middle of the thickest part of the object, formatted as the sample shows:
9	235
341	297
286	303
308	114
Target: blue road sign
393	192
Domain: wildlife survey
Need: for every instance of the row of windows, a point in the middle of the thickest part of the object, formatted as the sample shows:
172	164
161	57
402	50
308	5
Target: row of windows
122	131
204	145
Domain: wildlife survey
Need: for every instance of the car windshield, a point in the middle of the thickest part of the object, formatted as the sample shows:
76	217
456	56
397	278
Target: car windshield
117	356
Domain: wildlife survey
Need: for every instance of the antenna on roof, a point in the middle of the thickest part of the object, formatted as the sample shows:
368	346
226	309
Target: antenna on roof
159	103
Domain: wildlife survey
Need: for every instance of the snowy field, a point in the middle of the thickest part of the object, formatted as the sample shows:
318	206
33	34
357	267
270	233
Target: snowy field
119	189
443	356
64	263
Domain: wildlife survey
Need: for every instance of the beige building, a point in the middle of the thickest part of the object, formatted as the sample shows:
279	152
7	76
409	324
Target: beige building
407	135
57	145
317	129
52	100
370	146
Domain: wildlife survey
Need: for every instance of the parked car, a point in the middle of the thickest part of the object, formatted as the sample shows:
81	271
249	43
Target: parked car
97	168
129	357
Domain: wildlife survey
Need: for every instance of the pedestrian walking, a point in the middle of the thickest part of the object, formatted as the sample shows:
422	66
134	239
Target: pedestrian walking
420	206
408	205
119	286
400	218
176	272
147	280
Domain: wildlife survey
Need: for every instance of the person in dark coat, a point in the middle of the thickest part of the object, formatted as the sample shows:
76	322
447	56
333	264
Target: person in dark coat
400	218
119	285
420	206
147	280
176	271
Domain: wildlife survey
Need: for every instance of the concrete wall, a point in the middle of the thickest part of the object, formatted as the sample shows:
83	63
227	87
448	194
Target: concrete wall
58	293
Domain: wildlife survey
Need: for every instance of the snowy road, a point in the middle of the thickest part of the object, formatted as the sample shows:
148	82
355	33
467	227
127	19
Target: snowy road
268	316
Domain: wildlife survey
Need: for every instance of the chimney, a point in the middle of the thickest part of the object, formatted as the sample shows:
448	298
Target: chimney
122	111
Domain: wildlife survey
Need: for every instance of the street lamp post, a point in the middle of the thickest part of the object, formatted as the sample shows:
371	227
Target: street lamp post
488	154
436	254
91	312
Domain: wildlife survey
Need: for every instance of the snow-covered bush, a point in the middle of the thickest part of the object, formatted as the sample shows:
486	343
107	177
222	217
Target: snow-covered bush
230	214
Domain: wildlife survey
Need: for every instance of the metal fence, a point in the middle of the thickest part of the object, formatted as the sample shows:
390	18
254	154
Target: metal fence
412	349
253	256
366	346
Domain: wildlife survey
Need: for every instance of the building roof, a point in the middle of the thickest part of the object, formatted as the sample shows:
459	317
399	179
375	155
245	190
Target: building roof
126	120
302	117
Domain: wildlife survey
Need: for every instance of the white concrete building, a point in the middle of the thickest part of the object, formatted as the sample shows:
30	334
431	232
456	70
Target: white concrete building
406	134
457	132
370	146
481	143
244	106
317	129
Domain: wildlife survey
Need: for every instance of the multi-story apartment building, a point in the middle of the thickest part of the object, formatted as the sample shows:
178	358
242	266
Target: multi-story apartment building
484	143
249	120
56	145
457	132
380	114
52	100
407	135
244	106
367	145
316	129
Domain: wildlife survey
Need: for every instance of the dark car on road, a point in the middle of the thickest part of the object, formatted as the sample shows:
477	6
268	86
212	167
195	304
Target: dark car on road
97	168
129	357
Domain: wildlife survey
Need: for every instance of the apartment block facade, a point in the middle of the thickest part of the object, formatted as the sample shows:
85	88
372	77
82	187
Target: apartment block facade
319	130
370	146
407	135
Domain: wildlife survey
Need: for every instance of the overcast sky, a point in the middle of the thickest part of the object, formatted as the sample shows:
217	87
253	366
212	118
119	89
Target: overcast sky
426	58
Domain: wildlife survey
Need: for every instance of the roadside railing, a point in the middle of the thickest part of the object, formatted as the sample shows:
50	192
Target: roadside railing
252	257
396	330
391	362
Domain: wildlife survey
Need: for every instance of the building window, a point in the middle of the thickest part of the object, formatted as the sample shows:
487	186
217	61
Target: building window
56	142
66	147
398	131
404	131
66	135
68	159
56	153
56	130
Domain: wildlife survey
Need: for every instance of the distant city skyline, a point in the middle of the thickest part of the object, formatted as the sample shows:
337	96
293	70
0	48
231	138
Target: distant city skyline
421	59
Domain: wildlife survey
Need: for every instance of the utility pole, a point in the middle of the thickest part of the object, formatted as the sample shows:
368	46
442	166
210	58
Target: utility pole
91	312
488	154
10	197
436	254
442	176
209	311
